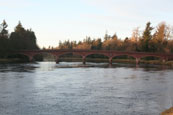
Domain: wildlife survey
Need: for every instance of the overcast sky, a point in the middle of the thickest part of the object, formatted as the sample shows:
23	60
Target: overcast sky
54	20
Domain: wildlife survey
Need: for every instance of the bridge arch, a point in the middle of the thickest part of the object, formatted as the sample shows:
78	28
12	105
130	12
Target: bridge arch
69	54
39	56
153	58
122	57
22	56
104	57
103	54
156	56
119	55
66	53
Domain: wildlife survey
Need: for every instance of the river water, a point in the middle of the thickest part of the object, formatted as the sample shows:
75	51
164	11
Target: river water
47	88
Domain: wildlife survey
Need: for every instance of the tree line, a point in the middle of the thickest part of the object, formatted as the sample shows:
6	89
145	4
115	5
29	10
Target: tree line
158	39
20	39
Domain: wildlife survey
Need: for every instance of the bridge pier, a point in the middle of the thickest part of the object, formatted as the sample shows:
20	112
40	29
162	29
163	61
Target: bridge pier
137	61
110	60
164	60
31	59
57	59
84	60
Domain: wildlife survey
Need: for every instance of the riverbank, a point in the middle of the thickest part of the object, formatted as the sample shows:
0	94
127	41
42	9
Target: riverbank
168	112
13	60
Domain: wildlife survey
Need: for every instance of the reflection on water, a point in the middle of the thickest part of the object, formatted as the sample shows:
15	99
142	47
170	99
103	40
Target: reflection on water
47	88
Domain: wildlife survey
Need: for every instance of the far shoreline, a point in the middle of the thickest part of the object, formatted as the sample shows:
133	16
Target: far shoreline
95	60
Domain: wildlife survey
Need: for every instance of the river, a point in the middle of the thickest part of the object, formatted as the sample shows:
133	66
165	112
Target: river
47	88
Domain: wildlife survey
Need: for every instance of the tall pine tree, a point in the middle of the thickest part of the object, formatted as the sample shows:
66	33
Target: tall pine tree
147	36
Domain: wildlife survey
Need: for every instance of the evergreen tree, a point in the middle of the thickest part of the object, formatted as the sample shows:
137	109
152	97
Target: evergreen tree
4	41
3	30
22	39
146	38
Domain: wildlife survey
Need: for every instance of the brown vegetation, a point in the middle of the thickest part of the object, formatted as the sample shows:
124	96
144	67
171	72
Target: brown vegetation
168	112
146	41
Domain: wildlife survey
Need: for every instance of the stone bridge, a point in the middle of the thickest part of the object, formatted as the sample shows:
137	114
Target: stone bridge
84	53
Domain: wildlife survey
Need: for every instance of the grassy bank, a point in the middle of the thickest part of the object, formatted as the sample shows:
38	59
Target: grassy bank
13	60
131	61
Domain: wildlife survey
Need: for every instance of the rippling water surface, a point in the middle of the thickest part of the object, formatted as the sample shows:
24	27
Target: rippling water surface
47	88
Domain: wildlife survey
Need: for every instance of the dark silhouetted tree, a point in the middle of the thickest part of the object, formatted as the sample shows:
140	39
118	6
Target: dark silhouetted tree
4	41
22	39
144	42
